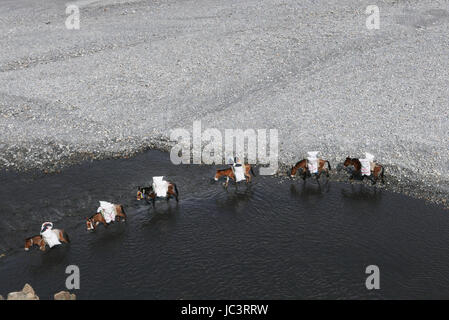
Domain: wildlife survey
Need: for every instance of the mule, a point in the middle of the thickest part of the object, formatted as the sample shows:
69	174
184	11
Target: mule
228	173
97	218
40	242
302	168
148	193
354	166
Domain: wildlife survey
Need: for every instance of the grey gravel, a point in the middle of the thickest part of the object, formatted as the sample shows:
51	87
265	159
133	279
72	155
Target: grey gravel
310	69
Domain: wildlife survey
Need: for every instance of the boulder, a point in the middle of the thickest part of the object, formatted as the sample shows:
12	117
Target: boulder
27	293
64	295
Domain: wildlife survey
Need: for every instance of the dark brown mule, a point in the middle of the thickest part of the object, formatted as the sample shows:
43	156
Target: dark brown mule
148	193
304	171
229	174
97	218
40	242
354	166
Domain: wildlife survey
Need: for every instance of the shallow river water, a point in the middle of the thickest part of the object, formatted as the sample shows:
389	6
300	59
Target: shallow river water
276	238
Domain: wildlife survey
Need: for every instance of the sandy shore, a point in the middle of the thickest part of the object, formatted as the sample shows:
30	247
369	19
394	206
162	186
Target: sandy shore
137	69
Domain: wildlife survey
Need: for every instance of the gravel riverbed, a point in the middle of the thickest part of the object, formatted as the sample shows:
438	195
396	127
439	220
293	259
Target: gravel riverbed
311	69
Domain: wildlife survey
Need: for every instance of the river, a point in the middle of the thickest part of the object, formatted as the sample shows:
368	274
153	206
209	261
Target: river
274	239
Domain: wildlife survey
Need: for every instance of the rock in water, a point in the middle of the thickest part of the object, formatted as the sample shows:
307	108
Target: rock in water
27	293
64	295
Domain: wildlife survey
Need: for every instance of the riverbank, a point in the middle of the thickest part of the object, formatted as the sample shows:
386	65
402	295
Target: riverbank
399	180
137	69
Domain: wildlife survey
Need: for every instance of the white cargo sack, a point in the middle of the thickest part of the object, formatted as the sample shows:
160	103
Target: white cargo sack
312	161
366	167
108	211
239	173
369	157
50	236
367	164
160	186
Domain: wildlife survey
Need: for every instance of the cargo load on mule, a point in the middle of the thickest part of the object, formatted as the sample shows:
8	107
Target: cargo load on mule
159	188
237	172
363	168
311	166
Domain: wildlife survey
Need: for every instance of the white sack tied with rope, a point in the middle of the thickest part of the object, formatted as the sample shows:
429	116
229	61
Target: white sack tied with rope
312	161
239	173
367	164
108	211
50	236
160	186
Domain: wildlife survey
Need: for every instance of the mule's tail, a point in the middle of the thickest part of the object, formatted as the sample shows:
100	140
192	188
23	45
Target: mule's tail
176	189
382	175
66	236
329	165
252	171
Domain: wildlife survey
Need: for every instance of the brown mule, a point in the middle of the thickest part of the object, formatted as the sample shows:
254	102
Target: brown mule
148	193
40	242
229	174
304	172
97	218
377	171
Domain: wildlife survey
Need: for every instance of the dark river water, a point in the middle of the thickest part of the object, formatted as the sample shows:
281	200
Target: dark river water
276	239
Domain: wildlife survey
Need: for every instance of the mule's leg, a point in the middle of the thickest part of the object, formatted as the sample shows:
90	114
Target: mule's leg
61	236
103	221
120	215
248	176
170	193
370	178
374	179
153	199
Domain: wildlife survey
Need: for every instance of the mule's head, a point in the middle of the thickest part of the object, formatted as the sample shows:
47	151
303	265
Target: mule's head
217	175
347	162
28	243
292	172
90	224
